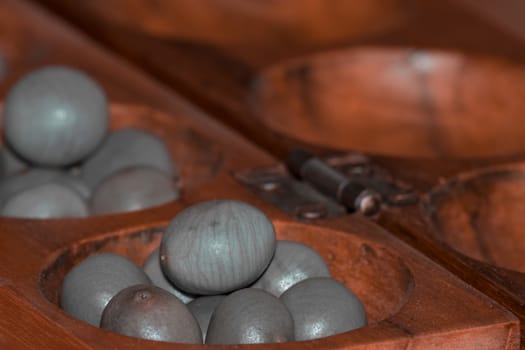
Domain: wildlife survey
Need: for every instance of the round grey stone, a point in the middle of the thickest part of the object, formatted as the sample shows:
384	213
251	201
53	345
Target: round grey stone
126	148
133	189
55	116
45	202
292	263
23	181
11	185
216	247
149	312
250	316
321	307
91	284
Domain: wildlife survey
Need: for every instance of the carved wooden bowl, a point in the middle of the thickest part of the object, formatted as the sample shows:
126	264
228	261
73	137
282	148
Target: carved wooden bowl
473	226
397	102
197	158
481	215
406	296
352	261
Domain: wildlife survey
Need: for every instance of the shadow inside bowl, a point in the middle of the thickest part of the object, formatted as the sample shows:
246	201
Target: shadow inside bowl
377	275
483	215
397	102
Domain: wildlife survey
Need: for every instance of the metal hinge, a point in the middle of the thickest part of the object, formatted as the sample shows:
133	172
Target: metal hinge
311	188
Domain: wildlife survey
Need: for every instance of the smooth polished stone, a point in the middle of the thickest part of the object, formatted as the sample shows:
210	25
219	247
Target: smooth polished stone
46	201
150	312
250	316
90	285
25	180
127	148
133	189
55	116
34	177
321	307
292	263
216	247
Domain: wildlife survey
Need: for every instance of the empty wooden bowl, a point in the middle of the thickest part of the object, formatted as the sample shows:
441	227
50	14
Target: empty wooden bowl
397	102
481	215
471	223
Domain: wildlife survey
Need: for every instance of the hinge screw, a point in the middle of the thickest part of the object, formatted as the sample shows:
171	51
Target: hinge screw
311	211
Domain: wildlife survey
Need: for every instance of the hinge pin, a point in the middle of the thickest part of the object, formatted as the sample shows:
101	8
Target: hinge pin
352	194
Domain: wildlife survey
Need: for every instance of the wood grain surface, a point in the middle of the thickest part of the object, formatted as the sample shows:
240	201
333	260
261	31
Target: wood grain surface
456	95
405	305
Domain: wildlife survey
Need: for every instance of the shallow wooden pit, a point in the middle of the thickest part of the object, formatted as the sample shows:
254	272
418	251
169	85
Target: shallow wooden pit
481	214
352	261
472	224
195	156
396	102
410	301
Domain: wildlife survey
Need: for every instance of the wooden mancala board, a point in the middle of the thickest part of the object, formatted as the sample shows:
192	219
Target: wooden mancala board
407	104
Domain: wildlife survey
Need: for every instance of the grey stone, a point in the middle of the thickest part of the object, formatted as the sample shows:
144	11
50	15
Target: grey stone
133	189
216	247
149	312
46	201
55	116
250	316
292	263
126	148
321	307
90	285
